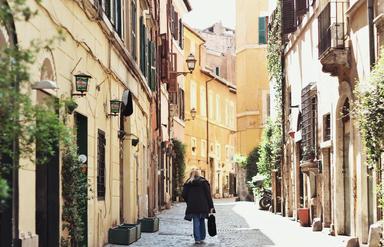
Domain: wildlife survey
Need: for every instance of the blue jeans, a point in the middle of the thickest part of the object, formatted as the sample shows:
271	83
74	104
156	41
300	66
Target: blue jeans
198	227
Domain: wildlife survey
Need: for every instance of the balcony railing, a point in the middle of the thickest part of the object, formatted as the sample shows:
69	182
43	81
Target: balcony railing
332	30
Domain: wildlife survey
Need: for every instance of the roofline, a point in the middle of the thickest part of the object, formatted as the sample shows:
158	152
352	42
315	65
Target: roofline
194	32
188	5
232	87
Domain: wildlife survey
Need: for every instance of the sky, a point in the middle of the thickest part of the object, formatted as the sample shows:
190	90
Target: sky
207	12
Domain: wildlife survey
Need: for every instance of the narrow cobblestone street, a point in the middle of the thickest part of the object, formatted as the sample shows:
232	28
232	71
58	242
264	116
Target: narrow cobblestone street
239	224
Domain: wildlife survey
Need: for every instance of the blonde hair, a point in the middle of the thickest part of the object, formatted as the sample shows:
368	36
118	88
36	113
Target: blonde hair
193	175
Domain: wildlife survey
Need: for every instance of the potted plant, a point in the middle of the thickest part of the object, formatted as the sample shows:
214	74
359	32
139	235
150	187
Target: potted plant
308	161
138	229
122	234
70	105
150	224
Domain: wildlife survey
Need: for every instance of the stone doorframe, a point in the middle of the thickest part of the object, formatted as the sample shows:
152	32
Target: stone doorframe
345	93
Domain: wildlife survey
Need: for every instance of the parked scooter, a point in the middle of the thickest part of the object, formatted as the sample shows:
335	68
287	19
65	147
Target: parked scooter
266	199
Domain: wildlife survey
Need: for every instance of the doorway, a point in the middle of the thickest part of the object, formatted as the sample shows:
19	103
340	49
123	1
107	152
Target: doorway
47	188
346	167
212	173
82	149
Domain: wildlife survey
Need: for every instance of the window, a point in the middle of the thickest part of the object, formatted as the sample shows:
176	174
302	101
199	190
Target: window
217	71
327	127
210	105
181	104
263	32
193	95
203	148
193	145
227	112
101	165
227	153
133	29
218	151
203	103
231	114
218	119
309	116
112	9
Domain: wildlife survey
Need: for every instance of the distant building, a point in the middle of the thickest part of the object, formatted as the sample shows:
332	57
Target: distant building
210	137
251	72
220	51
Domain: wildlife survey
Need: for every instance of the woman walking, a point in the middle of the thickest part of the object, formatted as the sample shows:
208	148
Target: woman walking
197	195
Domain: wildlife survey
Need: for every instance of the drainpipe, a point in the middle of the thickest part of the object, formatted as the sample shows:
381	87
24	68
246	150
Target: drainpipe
371	33
282	115
207	113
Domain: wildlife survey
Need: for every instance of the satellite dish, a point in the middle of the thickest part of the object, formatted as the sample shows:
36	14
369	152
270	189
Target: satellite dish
82	158
127	107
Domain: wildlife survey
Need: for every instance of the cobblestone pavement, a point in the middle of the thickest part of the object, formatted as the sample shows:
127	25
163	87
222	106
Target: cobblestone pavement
239	224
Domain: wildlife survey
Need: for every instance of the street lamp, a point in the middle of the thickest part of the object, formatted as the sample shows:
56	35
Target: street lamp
193	113
191	64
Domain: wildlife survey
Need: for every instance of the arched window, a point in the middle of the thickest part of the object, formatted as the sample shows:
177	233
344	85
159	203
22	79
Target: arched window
47	70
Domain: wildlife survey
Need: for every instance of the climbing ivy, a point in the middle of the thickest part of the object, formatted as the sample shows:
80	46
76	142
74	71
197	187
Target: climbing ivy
75	196
271	147
179	162
274	52
369	113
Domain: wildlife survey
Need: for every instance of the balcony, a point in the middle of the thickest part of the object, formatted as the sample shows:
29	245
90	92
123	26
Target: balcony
333	53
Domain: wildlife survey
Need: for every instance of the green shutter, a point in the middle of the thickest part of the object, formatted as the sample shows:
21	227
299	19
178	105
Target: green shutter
262	30
146	55
142	45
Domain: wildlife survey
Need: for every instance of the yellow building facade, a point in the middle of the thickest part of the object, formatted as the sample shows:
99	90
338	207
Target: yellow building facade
251	72
98	42
210	137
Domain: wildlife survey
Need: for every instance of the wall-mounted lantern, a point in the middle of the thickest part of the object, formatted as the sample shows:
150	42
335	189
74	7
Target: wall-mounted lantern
191	64
81	84
115	106
193	113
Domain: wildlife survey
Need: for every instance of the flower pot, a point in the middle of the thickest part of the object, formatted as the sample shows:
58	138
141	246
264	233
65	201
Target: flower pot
303	215
149	224
138	229
123	235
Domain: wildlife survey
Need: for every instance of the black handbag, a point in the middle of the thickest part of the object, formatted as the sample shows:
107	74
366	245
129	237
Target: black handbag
212	225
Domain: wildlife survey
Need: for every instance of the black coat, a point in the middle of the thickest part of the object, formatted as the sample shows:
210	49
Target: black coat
197	195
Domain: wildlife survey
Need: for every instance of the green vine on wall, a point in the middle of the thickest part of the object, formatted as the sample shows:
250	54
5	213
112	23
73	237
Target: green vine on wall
179	162
271	147
75	196
369	113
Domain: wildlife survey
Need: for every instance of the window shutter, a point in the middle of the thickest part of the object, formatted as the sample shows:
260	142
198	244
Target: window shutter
176	25
146	55
118	25
262	30
107	8
181	38
288	16
142	45
133	30
164	57
301	7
